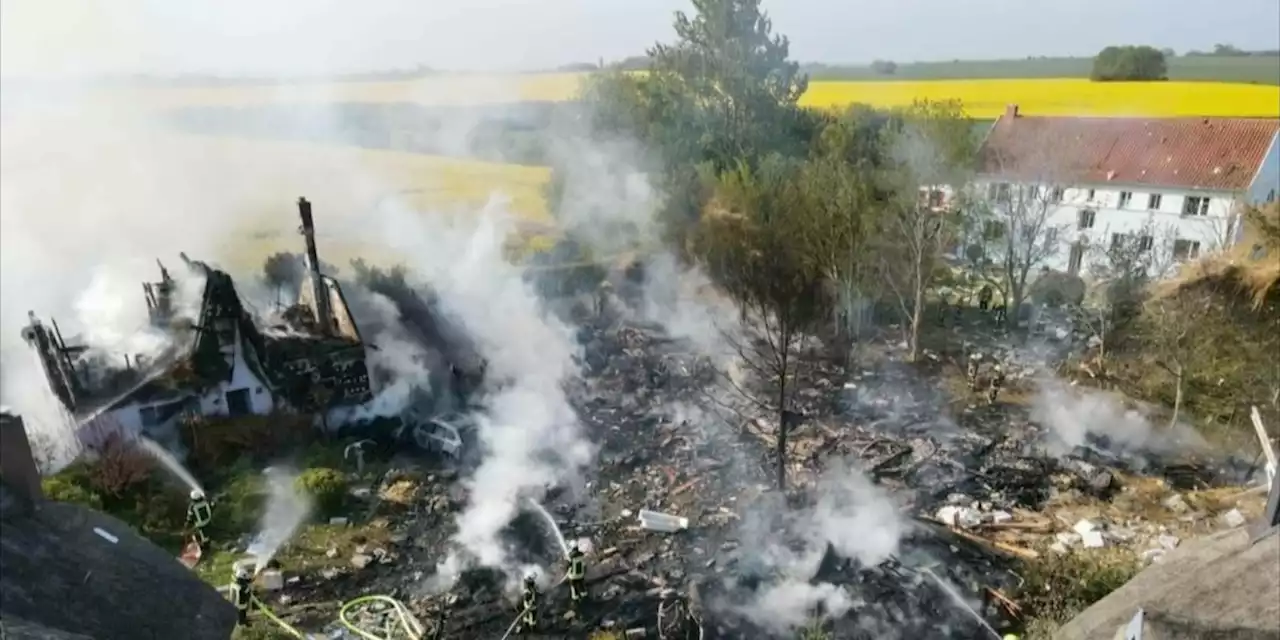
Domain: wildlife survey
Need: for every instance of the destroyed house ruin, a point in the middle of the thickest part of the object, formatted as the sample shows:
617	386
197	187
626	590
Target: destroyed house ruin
219	362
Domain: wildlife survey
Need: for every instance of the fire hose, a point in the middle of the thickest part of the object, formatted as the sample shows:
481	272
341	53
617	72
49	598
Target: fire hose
525	610
405	618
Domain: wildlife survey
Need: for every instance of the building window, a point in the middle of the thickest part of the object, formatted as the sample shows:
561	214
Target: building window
1186	249
1117	241
998	192
1125	197
935	198
1056	194
1145	243
1086	218
1092	193
1050	238
1077	257
1195	206
1271	196
1153	202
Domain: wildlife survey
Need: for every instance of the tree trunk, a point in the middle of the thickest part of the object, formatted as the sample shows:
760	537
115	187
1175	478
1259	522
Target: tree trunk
1013	315
1177	395
782	424
917	311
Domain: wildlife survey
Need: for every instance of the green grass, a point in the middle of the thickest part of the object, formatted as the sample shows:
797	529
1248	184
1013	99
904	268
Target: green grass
1251	69
1057	587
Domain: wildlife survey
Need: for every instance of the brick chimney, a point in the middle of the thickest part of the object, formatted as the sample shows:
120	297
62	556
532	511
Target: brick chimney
1011	111
324	314
17	464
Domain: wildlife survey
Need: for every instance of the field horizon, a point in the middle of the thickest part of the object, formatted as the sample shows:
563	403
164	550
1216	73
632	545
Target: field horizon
983	98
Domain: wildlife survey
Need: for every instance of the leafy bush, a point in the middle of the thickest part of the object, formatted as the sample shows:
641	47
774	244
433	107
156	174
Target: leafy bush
238	502
327	487
216	442
65	489
1060	586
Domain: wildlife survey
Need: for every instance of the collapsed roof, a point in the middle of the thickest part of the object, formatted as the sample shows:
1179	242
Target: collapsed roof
316	360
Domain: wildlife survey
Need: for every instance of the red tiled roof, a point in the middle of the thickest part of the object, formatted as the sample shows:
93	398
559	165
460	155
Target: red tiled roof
1200	153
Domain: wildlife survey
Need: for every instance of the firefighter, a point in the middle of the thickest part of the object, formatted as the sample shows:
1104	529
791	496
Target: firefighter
971	371
242	593
1001	312
984	298
199	514
603	293
997	381
577	574
528	606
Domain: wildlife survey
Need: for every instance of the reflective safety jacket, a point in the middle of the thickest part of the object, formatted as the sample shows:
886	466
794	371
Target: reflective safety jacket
577	568
530	599
199	513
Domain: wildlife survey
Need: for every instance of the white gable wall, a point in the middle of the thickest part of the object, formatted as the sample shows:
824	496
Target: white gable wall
213	402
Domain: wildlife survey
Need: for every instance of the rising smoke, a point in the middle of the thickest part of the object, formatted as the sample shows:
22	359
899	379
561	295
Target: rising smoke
95	189
1096	420
849	516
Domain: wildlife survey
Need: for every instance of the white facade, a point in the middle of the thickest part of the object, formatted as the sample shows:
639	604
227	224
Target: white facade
246	393
1177	224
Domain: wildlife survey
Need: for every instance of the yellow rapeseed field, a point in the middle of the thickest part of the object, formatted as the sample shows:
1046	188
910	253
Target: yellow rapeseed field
984	99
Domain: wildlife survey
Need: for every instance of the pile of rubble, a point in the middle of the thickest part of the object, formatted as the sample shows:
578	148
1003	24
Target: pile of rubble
683	467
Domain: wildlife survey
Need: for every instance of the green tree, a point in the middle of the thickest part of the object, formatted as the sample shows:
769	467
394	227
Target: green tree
1129	63
737	77
723	93
756	241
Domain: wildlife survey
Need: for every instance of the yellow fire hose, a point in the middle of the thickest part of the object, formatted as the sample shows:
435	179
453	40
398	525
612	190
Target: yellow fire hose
407	621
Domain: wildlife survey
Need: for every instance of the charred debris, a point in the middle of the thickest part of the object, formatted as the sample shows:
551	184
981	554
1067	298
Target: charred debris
223	359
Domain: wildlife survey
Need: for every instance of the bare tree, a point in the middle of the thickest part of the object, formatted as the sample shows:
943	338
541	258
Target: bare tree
1121	270
1172	325
933	149
1012	224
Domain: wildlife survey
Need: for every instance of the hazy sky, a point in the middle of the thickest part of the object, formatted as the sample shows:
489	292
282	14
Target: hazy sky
308	36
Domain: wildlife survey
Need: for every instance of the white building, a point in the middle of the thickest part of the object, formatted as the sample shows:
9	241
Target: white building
1176	186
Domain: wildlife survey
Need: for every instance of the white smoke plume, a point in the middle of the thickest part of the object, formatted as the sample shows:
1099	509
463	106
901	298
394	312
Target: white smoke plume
285	511
1078	418
851	515
528	429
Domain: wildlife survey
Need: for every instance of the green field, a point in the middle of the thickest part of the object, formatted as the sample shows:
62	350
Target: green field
1259	69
